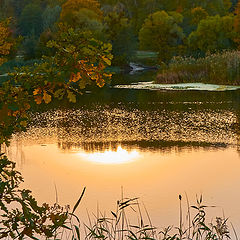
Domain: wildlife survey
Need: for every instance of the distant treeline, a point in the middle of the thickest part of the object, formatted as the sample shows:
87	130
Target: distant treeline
171	28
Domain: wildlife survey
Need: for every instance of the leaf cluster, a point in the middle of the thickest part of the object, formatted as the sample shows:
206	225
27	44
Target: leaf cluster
20	214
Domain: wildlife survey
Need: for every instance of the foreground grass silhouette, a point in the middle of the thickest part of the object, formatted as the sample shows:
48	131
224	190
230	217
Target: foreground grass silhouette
21	217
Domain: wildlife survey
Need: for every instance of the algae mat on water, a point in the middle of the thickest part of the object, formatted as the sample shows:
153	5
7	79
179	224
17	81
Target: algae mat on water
179	86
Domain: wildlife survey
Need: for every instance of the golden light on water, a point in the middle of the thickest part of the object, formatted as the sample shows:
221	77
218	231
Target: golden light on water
120	156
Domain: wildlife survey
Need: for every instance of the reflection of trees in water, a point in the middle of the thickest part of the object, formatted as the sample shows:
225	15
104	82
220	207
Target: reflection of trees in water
158	125
163	146
140	119
238	130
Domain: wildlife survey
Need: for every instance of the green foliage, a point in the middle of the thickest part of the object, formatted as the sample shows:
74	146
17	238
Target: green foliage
14	102
237	25
161	33
35	18
29	47
81	13
213	34
30	22
9	66
78	60
7	43
50	16
120	33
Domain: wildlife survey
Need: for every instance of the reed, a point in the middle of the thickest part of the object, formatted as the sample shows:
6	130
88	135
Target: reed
33	221
118	226
219	68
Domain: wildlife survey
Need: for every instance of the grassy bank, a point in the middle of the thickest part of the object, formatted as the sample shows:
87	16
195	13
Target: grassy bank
220	68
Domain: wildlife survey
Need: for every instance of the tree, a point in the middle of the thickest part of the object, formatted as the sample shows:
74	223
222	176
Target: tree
237	25
78	60
71	9
161	33
50	16
120	33
84	15
30	22
6	41
213	34
198	14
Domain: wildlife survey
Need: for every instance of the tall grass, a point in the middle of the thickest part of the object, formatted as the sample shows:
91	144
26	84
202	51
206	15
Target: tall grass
218	68
119	227
21	217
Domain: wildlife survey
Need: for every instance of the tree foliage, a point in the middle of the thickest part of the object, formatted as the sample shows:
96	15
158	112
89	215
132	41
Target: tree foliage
73	11
198	14
20	214
79	60
119	32
30	22
213	34
118	22
161	32
6	41
237	25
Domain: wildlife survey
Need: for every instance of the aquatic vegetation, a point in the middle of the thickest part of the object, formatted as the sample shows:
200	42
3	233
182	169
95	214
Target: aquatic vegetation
218	68
118	226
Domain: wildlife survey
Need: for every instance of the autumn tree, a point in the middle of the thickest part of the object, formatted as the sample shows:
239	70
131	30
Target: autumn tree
6	41
198	14
78	60
162	33
75	12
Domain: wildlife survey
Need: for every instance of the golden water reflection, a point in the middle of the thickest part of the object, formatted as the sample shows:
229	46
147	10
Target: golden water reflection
119	156
157	177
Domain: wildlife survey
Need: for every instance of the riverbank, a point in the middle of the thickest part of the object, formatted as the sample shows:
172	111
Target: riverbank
220	68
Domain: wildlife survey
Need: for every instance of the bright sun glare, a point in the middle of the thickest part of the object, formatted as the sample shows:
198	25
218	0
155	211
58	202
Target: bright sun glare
111	157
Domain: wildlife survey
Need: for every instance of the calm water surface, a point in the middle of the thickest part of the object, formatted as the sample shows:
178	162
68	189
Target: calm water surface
154	144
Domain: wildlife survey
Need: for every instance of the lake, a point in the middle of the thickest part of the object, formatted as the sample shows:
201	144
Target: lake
153	144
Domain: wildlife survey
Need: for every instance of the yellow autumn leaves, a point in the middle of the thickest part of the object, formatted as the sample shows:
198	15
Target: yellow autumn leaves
86	73
41	95
6	42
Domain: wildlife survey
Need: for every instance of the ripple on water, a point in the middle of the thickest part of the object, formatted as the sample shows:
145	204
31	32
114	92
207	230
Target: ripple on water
103	124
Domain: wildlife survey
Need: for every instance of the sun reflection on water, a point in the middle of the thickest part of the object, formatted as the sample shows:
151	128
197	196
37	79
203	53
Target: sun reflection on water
120	156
